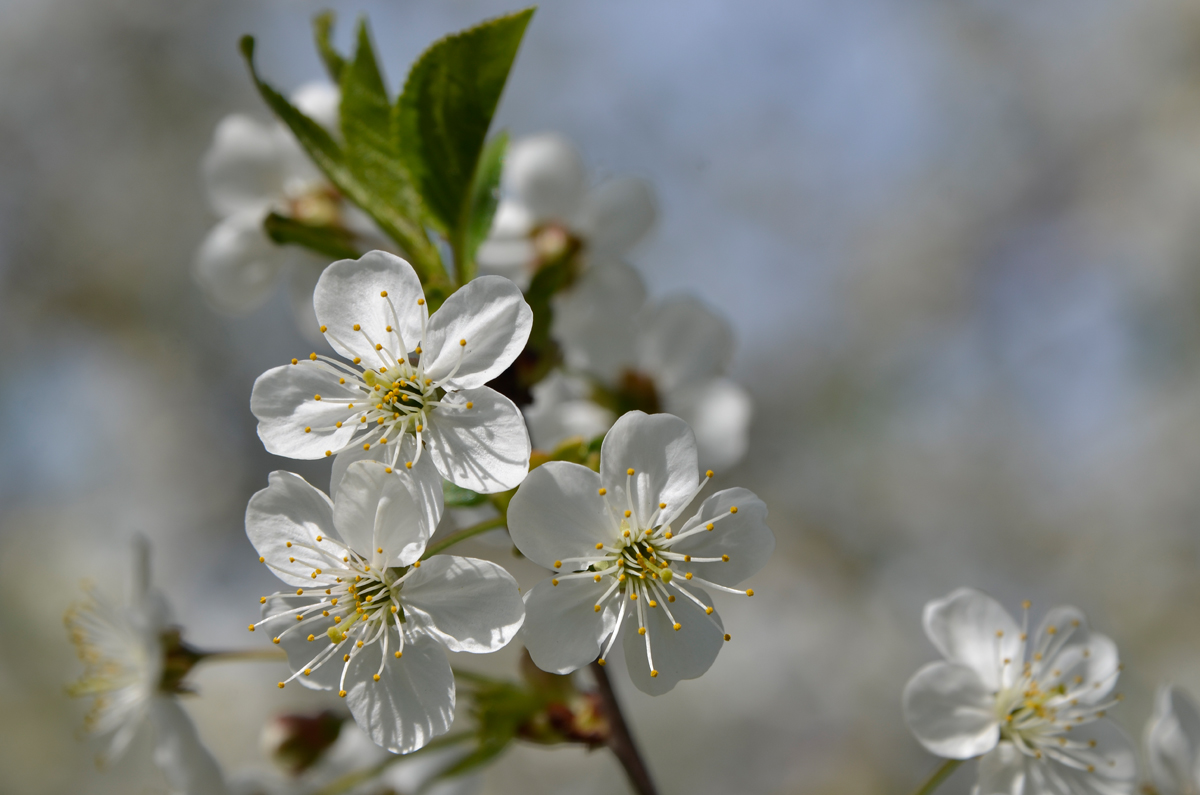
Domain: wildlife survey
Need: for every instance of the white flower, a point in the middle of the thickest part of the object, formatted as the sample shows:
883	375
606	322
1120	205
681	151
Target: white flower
367	617
1034	709
417	381
134	664
666	357
253	169
1173	743
626	555
548	212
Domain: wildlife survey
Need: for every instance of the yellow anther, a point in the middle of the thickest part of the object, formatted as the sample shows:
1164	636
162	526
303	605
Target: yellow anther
999	633
596	578
399	654
337	619
687	558
597	608
554	582
341	694
313	356
725	558
299	618
1051	630
668	534
262	600
288	543
558	564
629	471
251	627
408	464
378	347
295	361
708	611
387	470
1026	604
653	603
470	404
308	429
318	538
281	685
709	526
626	532
367	446
357	327
749	592
307	671
329	452
311	638
316	397
598	546
633	596
662	505
600	662
261	559
687	575
299	591
323	329
708	474
670	598
345	658
275	641
420	428
420	302
417	565
677	626
733	509
728	636
375	677
357	360
291	560
333	601
628	513
394	608
389	328
641	630
383	293
602	492
463	343
653	674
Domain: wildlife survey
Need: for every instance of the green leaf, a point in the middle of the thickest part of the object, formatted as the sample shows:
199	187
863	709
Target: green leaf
443	115
334	242
485	194
330	158
322	30
458	497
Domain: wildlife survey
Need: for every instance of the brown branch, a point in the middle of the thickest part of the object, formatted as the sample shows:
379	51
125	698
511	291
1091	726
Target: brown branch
620	741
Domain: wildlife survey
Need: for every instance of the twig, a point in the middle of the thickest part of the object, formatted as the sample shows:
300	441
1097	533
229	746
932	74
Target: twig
463	535
620	741
939	775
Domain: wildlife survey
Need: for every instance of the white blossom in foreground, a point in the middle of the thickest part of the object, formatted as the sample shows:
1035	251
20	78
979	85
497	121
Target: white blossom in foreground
134	665
414	389
1032	706
626	563
255	168
1173	743
547	211
666	357
367	617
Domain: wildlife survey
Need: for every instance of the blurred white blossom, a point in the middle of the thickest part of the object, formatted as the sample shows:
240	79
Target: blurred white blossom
1173	743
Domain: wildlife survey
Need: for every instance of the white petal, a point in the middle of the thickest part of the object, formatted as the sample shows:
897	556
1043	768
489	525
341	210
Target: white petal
680	654
964	626
508	250
662	452
1173	742
236	264
320	102
563	630
244	169
551	423
350	292
617	214
293	639
719	412
951	711
683	342
545	173
423	473
558	513
189	767
470	605
284	401
289	510
1004	771
1072	650
743	536
597	321
491	315
375	510
1112	763
484	448
412	702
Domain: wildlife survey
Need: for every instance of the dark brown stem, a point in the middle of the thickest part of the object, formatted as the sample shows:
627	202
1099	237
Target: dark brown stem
620	741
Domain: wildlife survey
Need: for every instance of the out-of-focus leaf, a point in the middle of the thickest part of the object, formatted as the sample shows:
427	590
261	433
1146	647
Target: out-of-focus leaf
443	115
485	194
331	241
458	497
330	158
333	60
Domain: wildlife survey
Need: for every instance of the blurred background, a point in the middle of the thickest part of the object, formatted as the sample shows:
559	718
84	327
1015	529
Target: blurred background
957	239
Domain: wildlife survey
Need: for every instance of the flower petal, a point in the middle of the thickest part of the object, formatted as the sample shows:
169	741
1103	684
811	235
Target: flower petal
283	522
293	639
178	752
545	173
1173	742
245	168
597	321
719	412
423	473
236	264
743	536
319	101
284	401
662	452
558	514
563	630
469	604
1066	648
350	292
680	654
508	250
484	448
1005	771
683	342
491	315
617	214
951	711
964	627
1105	765
375	510
412	702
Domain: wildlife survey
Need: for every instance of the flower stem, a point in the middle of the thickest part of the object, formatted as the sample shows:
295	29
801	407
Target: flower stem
352	780
244	655
620	741
463	535
939	775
